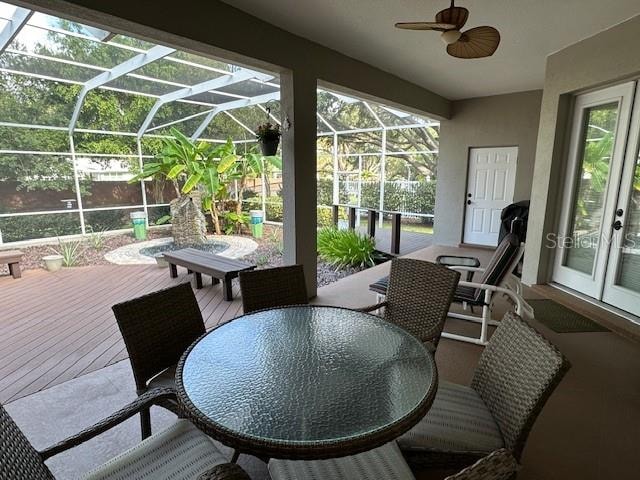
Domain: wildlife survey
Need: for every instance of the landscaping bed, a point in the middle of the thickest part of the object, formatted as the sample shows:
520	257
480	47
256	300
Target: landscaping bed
268	254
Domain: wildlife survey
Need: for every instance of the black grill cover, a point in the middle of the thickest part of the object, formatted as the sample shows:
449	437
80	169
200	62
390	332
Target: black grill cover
514	220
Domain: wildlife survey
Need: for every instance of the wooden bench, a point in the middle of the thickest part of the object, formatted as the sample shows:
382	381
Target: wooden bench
199	262
13	259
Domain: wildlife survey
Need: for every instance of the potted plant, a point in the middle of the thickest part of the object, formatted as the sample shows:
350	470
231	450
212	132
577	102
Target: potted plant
268	136
53	263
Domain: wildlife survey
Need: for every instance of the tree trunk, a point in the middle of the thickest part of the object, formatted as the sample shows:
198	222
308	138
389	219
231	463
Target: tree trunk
215	219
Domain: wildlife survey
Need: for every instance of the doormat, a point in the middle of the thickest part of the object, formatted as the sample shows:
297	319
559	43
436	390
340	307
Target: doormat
561	319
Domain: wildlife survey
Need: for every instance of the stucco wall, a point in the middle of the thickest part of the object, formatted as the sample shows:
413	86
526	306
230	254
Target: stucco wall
496	121
606	58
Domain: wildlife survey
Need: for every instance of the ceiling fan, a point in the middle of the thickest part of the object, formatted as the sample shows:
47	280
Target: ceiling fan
476	42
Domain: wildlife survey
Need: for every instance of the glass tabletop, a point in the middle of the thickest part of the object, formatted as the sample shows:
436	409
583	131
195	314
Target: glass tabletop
307	382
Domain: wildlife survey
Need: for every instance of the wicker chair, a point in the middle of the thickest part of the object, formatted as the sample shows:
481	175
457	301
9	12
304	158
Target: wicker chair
179	452
157	328
273	287
517	372
387	463
418	298
495	278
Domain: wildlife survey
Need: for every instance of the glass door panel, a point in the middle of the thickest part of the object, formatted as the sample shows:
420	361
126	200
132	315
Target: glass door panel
597	142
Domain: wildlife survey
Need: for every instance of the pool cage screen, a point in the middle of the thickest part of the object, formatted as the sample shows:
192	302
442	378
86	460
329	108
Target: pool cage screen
80	107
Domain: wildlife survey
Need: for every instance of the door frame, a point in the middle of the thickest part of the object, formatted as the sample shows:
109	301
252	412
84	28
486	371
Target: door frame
592	284
463	241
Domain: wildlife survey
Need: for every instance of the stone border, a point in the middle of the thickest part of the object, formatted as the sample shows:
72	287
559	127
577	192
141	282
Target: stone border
237	247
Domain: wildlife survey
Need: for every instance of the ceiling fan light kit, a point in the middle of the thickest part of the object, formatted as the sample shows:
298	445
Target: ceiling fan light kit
478	42
450	36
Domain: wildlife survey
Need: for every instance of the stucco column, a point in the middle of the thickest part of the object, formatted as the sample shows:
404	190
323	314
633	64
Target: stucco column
299	185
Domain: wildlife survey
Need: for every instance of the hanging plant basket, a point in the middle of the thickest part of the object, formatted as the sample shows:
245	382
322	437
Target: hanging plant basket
268	136
269	147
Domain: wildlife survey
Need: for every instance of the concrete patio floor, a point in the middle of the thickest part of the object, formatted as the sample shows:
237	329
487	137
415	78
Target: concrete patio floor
588	429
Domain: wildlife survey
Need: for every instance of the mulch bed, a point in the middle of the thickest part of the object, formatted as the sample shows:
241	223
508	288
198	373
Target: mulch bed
268	254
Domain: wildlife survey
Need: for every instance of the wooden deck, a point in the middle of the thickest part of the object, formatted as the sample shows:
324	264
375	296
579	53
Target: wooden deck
55	327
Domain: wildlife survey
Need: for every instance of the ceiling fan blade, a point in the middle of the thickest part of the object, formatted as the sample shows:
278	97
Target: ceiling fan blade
455	15
440	27
477	42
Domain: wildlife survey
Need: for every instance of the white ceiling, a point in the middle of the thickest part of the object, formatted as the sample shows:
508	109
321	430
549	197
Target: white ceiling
530	30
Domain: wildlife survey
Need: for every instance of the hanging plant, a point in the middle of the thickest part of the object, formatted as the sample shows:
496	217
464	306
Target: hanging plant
268	136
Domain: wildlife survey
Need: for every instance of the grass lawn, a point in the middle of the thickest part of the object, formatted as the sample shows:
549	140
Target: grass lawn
407	227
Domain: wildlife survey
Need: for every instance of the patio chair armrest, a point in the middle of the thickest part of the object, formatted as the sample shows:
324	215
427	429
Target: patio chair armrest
371	308
225	471
466	269
498	465
439	258
522	307
157	396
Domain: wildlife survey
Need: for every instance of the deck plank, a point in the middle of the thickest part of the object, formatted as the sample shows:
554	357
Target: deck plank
55	327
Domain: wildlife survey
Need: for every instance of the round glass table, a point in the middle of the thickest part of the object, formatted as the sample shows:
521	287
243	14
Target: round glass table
306	382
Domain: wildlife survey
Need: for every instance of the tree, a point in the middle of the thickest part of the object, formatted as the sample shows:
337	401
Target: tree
348	116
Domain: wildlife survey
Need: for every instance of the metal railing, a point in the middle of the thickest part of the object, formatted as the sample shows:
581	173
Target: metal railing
372	217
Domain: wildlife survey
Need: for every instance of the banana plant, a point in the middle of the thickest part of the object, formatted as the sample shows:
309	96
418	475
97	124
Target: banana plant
251	166
218	170
177	161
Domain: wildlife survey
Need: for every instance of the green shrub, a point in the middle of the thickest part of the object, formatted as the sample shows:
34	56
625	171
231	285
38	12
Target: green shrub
108	219
70	251
345	248
421	200
159	215
273	206
26	227
96	239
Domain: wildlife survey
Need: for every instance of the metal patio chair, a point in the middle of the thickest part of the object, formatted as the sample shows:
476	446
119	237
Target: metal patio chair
180	452
418	298
517	372
273	287
157	328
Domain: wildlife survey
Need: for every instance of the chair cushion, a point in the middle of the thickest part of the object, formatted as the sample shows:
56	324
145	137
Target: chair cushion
382	463
180	452
380	286
500	262
466	294
458	421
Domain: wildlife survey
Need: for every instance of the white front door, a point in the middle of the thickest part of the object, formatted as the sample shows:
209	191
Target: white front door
490	185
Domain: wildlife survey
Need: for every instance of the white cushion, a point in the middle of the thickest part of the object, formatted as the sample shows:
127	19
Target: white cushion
382	463
181	452
458	421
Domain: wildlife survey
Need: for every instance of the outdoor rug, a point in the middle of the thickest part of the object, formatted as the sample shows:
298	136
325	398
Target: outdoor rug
561	319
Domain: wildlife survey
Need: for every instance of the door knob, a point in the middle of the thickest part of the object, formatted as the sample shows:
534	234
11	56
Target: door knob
617	225
619	212
468	202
